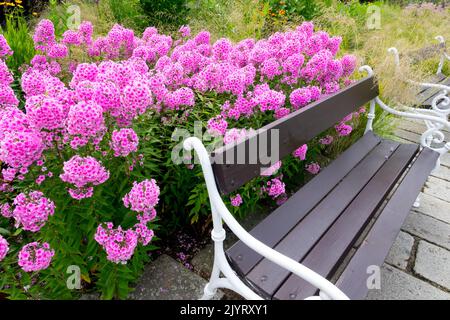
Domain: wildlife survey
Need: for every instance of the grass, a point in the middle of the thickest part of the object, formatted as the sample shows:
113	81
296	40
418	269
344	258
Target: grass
16	32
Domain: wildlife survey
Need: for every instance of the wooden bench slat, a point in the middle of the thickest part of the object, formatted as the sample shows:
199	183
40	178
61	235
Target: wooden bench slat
436	78
434	92
376	245
267	275
280	221
331	249
294	130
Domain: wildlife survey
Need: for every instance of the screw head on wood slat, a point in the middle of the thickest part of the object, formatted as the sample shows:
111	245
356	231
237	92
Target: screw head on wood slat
263	278
292	296
239	257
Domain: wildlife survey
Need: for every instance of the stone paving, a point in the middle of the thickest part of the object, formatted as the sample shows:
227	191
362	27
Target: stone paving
417	267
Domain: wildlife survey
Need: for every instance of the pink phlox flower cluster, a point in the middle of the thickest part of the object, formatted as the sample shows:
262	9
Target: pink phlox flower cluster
45	112
31	211
124	141
145	235
326	140
300	152
313	168
275	188
6	210
44	35
4	248
83	173
118	244
20	144
343	129
5	49
35	256
236	200
217	126
85	120
143	197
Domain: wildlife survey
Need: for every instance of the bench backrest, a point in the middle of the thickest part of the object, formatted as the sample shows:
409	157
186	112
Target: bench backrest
426	53
293	130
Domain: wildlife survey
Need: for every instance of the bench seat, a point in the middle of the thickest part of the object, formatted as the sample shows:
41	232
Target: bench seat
426	95
342	221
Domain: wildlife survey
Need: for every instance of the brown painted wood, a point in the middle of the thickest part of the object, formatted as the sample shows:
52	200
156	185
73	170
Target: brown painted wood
294	130
376	245
329	252
274	227
268	276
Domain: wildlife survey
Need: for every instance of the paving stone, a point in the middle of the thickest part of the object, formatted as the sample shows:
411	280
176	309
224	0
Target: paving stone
432	263
417	127
445	159
167	279
438	188
203	260
401	251
428	228
407	135
434	207
442	172
398	285
90	296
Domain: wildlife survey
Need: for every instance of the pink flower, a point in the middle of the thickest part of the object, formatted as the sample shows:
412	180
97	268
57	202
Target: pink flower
124	141
5	49
300	152
326	140
185	31
118	244
32	210
35	256
236	200
85	120
343	129
44	35
217	126
4	248
83	173
6	210
45	112
275	188
143	197
300	97
145	235
313	168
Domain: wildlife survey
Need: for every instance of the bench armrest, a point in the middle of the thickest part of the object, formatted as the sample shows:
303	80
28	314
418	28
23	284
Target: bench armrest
220	212
444	56
436	118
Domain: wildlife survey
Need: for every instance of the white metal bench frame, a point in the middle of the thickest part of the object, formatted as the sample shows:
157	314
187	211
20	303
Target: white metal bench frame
444	56
435	119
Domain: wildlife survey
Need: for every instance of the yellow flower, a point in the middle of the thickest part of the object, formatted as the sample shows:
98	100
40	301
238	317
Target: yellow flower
18	1
34	14
282	12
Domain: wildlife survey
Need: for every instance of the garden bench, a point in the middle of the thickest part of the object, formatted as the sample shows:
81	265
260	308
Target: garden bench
435	84
323	242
